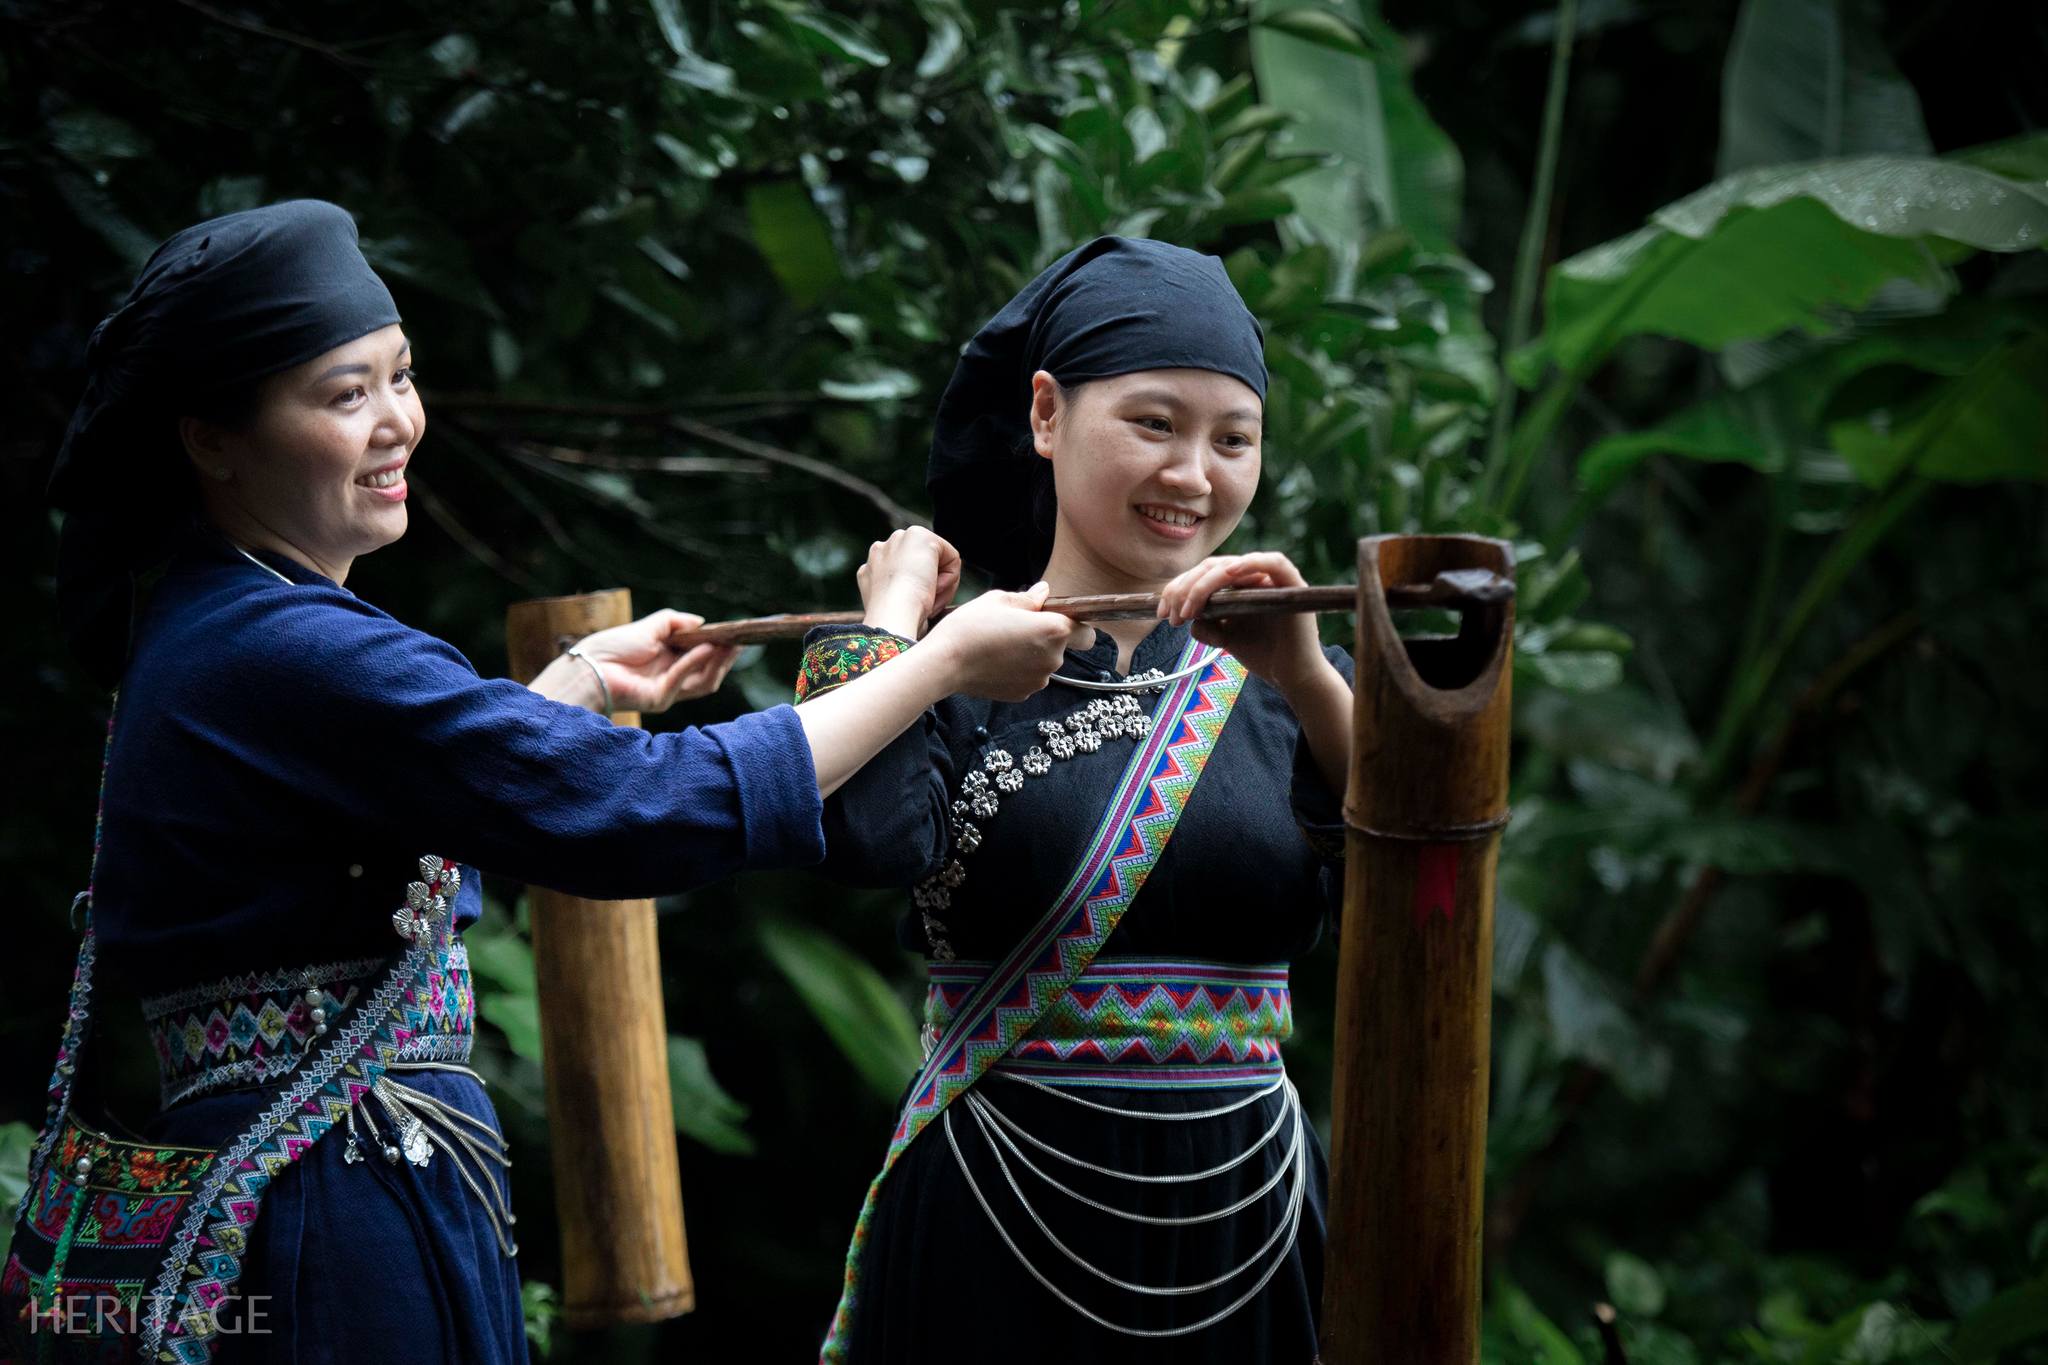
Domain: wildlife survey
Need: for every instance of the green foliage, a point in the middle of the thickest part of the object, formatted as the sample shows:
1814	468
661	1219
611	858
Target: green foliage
16	1141
864	1015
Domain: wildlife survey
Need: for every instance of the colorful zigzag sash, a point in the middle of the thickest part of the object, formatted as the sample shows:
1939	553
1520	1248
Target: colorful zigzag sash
1131	834
1133	1023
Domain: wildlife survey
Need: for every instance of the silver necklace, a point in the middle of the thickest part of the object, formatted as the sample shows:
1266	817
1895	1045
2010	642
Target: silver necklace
260	564
1151	680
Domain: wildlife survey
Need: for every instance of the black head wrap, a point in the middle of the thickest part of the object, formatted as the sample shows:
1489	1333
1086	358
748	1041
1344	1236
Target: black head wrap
1115	306
217	307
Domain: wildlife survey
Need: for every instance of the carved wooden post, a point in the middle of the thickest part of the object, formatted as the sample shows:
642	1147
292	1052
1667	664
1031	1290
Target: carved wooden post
605	1044
1425	806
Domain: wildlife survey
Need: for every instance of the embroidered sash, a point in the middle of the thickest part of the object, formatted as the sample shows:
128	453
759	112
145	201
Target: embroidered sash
1135	1023
112	1213
1129	837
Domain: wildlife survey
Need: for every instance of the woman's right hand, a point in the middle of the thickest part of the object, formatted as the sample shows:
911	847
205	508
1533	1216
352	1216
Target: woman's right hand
1002	645
907	578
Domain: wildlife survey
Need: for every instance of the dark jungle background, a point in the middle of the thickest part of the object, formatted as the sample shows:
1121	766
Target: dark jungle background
1734	317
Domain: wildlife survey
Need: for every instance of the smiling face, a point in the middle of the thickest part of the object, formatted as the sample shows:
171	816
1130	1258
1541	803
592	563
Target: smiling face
1153	470
317	472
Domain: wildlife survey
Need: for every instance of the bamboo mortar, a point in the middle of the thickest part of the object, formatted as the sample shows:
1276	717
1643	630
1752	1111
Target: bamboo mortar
1426	801
604	1038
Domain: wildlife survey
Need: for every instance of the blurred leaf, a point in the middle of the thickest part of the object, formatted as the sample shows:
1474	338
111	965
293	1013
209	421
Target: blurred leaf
2016	1316
17	1143
1729	427
1570	671
1809	79
501	961
793	238
865	380
1988	424
865	1018
1395	167
1634	1286
1587	1022
830	34
703	1109
1541	1341
1310	23
539	1306
668	14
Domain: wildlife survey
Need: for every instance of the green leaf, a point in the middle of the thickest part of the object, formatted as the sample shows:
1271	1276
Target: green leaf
1728	428
1322	27
668	14
538	1304
1719	430
865	380
1778	249
1570	671
837	37
1809	79
703	1109
858	1009
515	1016
2019	1314
1986	425
1634	1285
1587	1021
1394	167
508	994
17	1140
1541	1340
791	234
2016	158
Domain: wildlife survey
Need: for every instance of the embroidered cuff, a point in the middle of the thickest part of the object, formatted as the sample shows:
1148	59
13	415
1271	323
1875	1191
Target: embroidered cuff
835	656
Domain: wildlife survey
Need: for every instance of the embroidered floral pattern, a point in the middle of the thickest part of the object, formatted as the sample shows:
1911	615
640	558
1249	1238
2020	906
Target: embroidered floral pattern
836	659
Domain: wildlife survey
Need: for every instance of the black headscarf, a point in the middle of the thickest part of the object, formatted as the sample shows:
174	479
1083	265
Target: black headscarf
219	306
1115	306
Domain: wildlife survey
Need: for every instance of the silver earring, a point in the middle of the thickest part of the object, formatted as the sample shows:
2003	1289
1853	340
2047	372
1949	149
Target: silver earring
221	475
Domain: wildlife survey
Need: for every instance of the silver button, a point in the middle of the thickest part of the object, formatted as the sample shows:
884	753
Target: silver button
313	996
355	869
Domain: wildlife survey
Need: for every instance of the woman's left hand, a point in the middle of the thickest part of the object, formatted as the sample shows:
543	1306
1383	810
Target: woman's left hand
650	665
1282	649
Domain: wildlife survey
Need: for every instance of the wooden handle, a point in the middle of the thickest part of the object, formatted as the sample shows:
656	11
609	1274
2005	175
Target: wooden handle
1426	802
604	1039
1456	589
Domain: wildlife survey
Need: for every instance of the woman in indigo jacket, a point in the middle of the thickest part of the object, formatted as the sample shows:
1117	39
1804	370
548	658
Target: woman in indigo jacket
1102	1157
297	791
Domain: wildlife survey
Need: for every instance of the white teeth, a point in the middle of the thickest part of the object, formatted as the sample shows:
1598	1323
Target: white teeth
389	478
1171	516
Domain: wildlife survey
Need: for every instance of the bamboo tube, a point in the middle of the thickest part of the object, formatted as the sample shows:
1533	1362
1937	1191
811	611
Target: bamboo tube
1427	800
605	1046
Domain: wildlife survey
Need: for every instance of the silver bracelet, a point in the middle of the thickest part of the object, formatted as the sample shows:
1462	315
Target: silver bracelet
576	652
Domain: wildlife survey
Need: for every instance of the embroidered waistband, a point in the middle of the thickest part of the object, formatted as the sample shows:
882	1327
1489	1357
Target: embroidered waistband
1141	1021
247	1029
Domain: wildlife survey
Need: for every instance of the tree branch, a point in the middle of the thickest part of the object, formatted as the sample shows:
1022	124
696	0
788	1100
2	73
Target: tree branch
444	517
